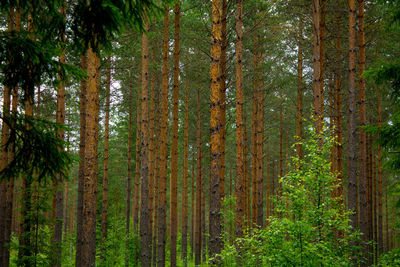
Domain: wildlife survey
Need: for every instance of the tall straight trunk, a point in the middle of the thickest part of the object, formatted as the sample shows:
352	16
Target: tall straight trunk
162	208
156	100
79	215
240	158
145	232
246	174
322	36
106	143
25	249
152	154
254	106
129	174
184	215
59	196
199	190
88	244
192	213
374	197
5	134
380	178
223	97
338	133
317	98
280	142
10	186
387	241
215	243
352	157
300	86
363	178
174	144
259	145
136	202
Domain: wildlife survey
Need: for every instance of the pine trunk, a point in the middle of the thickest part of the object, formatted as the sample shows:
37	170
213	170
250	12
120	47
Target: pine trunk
318	97
300	86
215	138
184	215
145	233
352	157
380	178
4	188
162	208
240	158
59	195
129	175
88	246
223	98
81	178
364	182
174	144
198	229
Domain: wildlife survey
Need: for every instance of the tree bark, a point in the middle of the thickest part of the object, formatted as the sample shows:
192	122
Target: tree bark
318	97
129	174
4	185
300	86
88	245
59	196
163	147
174	144
81	179
380	180
223	98
199	189
215	243
184	215
145	233
352	157
240	158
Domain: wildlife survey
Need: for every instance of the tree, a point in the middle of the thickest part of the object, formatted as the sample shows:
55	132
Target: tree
215	125
174	143
162	206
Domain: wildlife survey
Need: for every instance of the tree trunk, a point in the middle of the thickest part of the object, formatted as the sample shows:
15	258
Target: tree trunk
364	183
145	233
259	144
25	249
9	211
318	97
136	202
338	133
129	175
300	86
240	158
215	243
223	98
162	208
322	33
59	196
199	190
174	145
105	169
4	188
352	188
380	178
184	215
88	245
81	179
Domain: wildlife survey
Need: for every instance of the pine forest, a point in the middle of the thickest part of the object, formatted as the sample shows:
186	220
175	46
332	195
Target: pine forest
199	133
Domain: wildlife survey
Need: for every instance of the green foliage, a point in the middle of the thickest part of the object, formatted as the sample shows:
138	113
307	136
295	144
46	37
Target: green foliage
38	151
391	258
310	227
97	22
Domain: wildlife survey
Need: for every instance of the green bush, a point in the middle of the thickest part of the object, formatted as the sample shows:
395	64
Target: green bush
309	227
